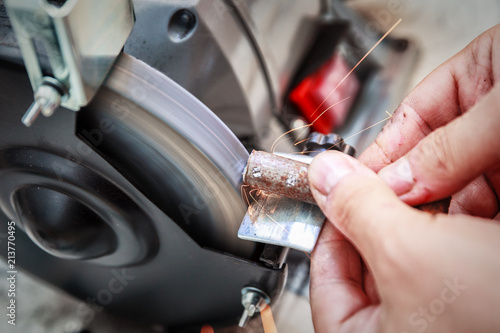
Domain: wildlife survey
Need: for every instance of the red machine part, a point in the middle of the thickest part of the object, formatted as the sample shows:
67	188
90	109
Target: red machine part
309	94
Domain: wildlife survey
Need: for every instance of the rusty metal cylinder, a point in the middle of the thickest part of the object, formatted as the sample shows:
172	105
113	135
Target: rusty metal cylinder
278	175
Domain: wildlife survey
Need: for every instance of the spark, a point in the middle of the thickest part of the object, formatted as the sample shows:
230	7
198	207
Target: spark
267	212
298	143
322	113
244	194
359	62
276	143
390	116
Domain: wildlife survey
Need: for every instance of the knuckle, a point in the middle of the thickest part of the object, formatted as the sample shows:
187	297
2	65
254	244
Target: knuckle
437	153
383	153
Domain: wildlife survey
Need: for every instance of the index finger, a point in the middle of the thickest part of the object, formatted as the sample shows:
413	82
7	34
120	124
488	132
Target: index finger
443	95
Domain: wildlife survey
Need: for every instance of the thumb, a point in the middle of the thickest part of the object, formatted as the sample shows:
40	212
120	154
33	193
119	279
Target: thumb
358	202
451	157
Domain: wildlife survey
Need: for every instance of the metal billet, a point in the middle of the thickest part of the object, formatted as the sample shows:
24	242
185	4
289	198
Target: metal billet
278	175
285	174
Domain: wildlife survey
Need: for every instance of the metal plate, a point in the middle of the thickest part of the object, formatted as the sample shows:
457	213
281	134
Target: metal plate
282	221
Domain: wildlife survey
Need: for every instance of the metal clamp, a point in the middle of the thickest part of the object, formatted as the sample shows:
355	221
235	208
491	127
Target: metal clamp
81	38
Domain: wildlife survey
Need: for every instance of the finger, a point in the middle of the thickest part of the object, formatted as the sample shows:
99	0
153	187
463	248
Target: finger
493	178
336	281
476	199
359	204
449	158
450	90
414	119
369	285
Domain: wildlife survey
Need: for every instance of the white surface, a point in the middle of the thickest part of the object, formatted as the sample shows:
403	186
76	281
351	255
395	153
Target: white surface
441	28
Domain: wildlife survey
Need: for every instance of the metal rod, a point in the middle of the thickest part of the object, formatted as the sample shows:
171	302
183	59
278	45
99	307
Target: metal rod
278	175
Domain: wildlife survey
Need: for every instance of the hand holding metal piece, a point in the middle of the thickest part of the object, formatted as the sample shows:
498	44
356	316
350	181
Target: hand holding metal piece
282	210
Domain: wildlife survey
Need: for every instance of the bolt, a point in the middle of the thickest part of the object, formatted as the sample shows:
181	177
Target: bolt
47	100
253	300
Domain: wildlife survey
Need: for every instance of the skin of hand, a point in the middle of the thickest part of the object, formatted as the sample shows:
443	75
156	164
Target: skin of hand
427	273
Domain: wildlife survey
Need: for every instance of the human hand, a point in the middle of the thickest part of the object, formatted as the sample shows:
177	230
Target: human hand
433	273
418	253
440	142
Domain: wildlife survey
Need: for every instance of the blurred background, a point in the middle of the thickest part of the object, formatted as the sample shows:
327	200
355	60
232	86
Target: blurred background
440	29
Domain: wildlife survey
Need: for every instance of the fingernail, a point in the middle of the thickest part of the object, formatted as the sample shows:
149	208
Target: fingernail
398	176
327	170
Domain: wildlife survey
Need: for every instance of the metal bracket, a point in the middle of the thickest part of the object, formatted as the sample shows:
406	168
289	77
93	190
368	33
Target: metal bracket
82	39
282	221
